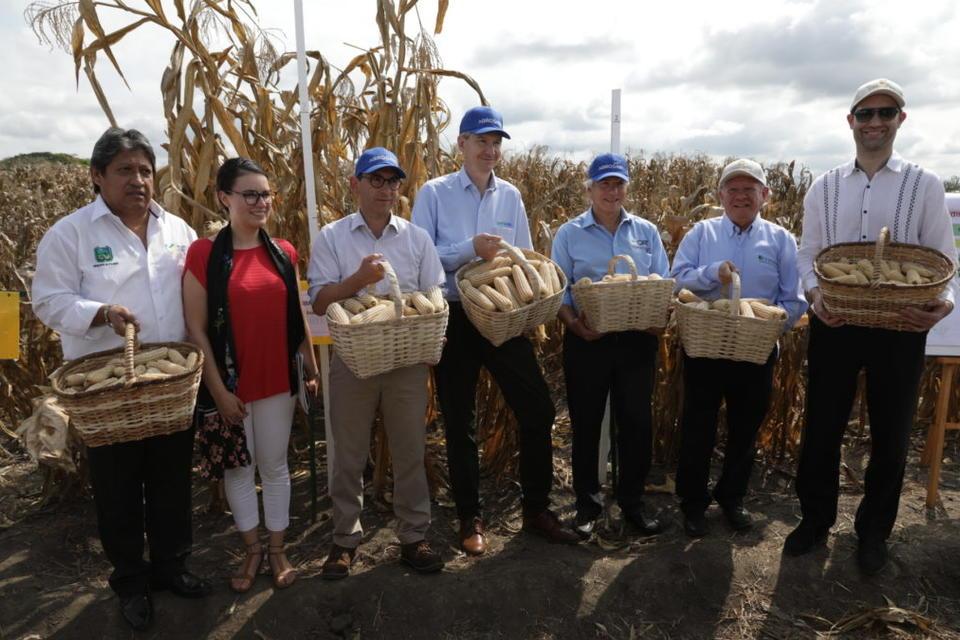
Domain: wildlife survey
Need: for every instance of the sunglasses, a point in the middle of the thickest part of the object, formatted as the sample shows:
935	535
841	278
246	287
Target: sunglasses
866	115
251	197
377	181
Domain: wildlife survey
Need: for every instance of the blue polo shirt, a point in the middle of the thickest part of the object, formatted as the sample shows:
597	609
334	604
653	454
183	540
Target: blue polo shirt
764	253
582	248
452	210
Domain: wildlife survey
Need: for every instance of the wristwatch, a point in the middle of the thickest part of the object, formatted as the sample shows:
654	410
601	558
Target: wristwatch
106	315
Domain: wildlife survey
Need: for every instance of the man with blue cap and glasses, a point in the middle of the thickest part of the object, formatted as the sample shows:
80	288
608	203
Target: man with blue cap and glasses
346	259
466	214
621	364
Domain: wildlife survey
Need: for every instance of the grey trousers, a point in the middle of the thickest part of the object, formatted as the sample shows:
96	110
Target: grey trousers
401	394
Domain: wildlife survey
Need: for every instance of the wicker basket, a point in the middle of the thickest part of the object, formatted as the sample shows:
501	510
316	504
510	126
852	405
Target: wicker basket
877	304
373	348
136	410
631	305
500	326
709	334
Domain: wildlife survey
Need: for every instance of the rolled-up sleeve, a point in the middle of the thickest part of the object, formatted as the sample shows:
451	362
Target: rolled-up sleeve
811	236
324	268
790	294
56	287
431	270
937	231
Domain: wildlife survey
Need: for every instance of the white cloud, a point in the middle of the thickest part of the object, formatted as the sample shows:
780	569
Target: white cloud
771	80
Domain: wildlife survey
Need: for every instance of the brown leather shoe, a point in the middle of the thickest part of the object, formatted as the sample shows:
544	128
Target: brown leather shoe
337	564
472	540
421	557
547	525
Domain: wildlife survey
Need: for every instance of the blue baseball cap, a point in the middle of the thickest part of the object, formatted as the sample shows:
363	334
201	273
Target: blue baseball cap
608	165
377	158
483	120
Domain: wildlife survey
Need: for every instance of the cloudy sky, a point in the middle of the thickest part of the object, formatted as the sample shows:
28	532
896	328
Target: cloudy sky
767	79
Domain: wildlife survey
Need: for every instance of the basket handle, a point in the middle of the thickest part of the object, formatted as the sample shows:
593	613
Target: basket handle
882	240
519	258
129	346
394	288
612	265
734	294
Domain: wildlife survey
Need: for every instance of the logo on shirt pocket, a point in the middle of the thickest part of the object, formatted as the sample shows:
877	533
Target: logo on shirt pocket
103	254
767	261
505	224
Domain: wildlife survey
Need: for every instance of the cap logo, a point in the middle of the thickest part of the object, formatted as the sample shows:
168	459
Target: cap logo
488	121
608	166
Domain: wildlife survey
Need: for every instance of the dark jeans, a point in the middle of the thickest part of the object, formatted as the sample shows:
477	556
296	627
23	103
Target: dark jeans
746	389
622	365
514	367
143	486
893	361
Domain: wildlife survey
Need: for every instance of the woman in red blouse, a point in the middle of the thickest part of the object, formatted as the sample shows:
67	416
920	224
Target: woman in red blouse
241	300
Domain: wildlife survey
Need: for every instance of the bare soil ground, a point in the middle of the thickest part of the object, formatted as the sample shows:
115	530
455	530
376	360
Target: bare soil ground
53	573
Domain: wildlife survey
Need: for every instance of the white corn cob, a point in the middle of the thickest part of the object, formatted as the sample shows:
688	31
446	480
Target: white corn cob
500	301
475	296
337	313
422	303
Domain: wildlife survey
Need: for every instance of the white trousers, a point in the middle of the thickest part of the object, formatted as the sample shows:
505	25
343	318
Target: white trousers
267	426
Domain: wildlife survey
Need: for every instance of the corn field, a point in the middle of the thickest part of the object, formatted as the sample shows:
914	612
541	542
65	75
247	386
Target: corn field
222	96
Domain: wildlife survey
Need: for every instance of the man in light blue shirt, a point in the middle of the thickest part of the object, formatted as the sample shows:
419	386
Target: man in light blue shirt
466	214
765	256
620	364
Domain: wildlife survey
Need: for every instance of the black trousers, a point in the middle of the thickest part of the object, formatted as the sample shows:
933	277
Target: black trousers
514	367
622	365
894	362
746	388
143	486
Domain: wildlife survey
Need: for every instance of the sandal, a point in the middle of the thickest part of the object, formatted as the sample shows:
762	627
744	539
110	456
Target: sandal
243	581
284	574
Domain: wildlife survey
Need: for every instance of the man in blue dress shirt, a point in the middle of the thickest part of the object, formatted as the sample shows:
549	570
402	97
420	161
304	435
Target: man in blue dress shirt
764	254
466	214
621	364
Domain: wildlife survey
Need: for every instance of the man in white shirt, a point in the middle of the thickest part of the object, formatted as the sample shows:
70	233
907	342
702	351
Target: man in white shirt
851	203
344	260
118	260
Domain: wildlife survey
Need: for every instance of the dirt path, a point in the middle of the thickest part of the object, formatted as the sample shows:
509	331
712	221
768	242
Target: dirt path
53	575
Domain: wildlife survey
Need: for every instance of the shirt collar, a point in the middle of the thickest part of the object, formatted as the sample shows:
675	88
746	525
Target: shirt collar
357	221
465	182
101	209
732	229
590	221
895	164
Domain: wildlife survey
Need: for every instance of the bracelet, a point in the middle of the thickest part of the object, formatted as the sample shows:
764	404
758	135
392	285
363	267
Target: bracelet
106	316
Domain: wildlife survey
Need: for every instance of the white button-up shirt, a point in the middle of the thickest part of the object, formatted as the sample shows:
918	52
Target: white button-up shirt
843	205
89	259
341	246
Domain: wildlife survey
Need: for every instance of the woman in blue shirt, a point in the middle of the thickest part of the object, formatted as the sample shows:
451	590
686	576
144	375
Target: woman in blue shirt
620	364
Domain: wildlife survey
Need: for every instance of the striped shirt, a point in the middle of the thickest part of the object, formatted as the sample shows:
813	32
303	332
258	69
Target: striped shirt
844	205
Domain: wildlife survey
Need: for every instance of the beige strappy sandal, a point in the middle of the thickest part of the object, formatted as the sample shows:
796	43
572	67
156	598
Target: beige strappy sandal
283	577
243	581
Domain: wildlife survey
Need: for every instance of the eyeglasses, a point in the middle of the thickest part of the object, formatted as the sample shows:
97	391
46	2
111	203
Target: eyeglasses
377	181
866	115
252	197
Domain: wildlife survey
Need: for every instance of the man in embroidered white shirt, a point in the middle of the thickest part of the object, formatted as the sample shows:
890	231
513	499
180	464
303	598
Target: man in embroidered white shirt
851	203
117	260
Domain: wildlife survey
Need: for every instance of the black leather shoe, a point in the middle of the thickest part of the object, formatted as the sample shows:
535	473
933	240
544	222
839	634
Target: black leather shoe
586	521
137	610
638	519
738	517
872	556
804	538
184	584
695	524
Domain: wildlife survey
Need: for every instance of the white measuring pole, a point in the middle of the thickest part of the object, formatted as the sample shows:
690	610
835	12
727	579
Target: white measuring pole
309	181
605	426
